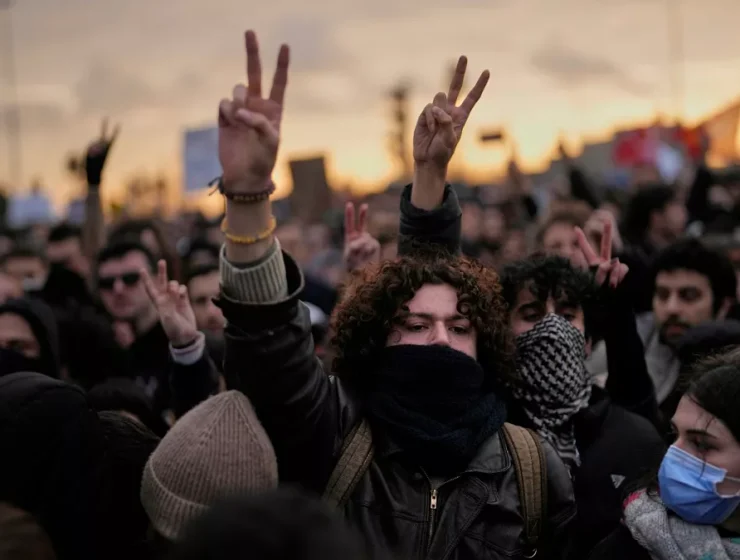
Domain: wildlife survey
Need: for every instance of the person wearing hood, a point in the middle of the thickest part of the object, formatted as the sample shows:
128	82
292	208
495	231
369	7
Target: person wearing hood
75	471
29	339
28	266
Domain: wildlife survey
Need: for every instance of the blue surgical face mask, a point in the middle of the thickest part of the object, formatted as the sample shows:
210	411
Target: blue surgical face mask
688	486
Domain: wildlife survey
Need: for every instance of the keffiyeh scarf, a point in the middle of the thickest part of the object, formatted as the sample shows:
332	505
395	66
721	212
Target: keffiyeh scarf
554	382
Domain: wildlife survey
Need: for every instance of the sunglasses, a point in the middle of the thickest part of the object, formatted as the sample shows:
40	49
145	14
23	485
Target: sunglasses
129	279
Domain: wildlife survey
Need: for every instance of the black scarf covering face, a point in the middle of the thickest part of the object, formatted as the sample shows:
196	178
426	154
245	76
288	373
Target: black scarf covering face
12	361
432	401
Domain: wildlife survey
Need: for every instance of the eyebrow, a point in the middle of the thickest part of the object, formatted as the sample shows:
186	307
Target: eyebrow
431	317
695	432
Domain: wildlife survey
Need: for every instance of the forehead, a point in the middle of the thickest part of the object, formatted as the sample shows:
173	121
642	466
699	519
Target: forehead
434	299
559	230
690	416
23	261
15	326
205	282
69	243
525	296
682	278
132	261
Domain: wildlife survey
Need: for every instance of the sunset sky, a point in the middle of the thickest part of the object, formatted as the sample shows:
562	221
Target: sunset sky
158	66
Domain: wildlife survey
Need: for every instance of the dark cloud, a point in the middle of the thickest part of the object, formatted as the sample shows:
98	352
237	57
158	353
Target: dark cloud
37	116
311	40
106	88
335	93
573	68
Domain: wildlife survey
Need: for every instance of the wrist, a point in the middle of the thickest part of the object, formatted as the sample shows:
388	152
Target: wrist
248	220
427	190
184	341
234	187
191	353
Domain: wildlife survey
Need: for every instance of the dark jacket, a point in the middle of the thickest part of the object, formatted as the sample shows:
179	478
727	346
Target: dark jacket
618	546
618	448
47	456
307	414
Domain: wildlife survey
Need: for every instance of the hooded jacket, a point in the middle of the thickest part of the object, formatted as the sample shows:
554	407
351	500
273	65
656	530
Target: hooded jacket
41	319
47	436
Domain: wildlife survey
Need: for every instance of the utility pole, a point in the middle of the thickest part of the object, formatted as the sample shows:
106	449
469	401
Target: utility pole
399	137
676	57
12	107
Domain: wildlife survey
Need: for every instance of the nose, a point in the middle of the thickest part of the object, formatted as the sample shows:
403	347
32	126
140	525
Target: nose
215	314
672	304
118	286
440	335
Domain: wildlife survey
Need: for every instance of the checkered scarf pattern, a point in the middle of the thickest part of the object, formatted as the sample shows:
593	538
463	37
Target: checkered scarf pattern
554	382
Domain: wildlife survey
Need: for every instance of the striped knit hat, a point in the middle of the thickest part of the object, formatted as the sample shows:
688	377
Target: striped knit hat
217	449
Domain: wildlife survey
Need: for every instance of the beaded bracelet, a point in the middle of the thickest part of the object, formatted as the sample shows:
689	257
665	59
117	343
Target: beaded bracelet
249	240
245	198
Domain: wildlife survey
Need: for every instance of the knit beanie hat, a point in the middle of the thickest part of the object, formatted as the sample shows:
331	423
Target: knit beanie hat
216	449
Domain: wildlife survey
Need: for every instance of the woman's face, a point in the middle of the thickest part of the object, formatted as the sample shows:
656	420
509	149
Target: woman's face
707	438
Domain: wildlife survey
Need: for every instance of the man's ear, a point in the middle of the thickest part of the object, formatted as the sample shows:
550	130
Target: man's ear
589	346
724	308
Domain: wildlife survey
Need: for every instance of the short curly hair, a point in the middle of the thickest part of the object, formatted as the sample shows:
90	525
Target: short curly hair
374	301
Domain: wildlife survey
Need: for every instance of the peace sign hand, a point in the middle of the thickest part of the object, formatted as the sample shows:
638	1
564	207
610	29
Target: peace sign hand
173	306
441	123
97	153
360	248
249	124
606	267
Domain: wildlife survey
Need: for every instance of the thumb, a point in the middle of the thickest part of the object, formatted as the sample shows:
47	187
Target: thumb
445	124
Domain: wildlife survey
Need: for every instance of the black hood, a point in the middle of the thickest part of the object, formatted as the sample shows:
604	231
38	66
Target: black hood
41	319
64	286
48	436
707	339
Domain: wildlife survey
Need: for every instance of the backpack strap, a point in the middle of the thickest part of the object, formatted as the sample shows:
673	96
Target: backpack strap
531	475
354	460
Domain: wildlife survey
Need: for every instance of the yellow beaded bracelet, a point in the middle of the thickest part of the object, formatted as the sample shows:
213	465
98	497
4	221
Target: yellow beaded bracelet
249	240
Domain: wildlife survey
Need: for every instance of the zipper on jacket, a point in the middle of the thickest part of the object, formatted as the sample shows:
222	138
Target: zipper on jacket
433	511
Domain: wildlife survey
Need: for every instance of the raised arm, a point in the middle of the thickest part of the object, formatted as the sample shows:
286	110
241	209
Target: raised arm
193	375
93	234
628	383
269	353
430	213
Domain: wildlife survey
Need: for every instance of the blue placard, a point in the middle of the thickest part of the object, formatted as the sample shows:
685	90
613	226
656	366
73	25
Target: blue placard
200	158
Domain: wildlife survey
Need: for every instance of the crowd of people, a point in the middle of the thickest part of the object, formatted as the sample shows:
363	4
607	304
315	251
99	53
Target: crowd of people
453	380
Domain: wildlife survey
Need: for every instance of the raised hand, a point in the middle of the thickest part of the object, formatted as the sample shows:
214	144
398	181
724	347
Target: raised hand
441	123
606	267
249	124
97	153
595	226
173	306
360	248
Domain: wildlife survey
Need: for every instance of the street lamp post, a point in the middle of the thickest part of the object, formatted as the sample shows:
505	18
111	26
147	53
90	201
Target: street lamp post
12	107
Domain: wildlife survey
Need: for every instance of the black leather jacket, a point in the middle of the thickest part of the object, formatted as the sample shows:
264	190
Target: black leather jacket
269	355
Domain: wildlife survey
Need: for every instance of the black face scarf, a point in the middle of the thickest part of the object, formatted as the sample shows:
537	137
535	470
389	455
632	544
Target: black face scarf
15	362
433	402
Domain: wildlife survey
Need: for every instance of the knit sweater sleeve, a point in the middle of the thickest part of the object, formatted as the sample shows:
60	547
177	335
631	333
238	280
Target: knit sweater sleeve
269	356
260	282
